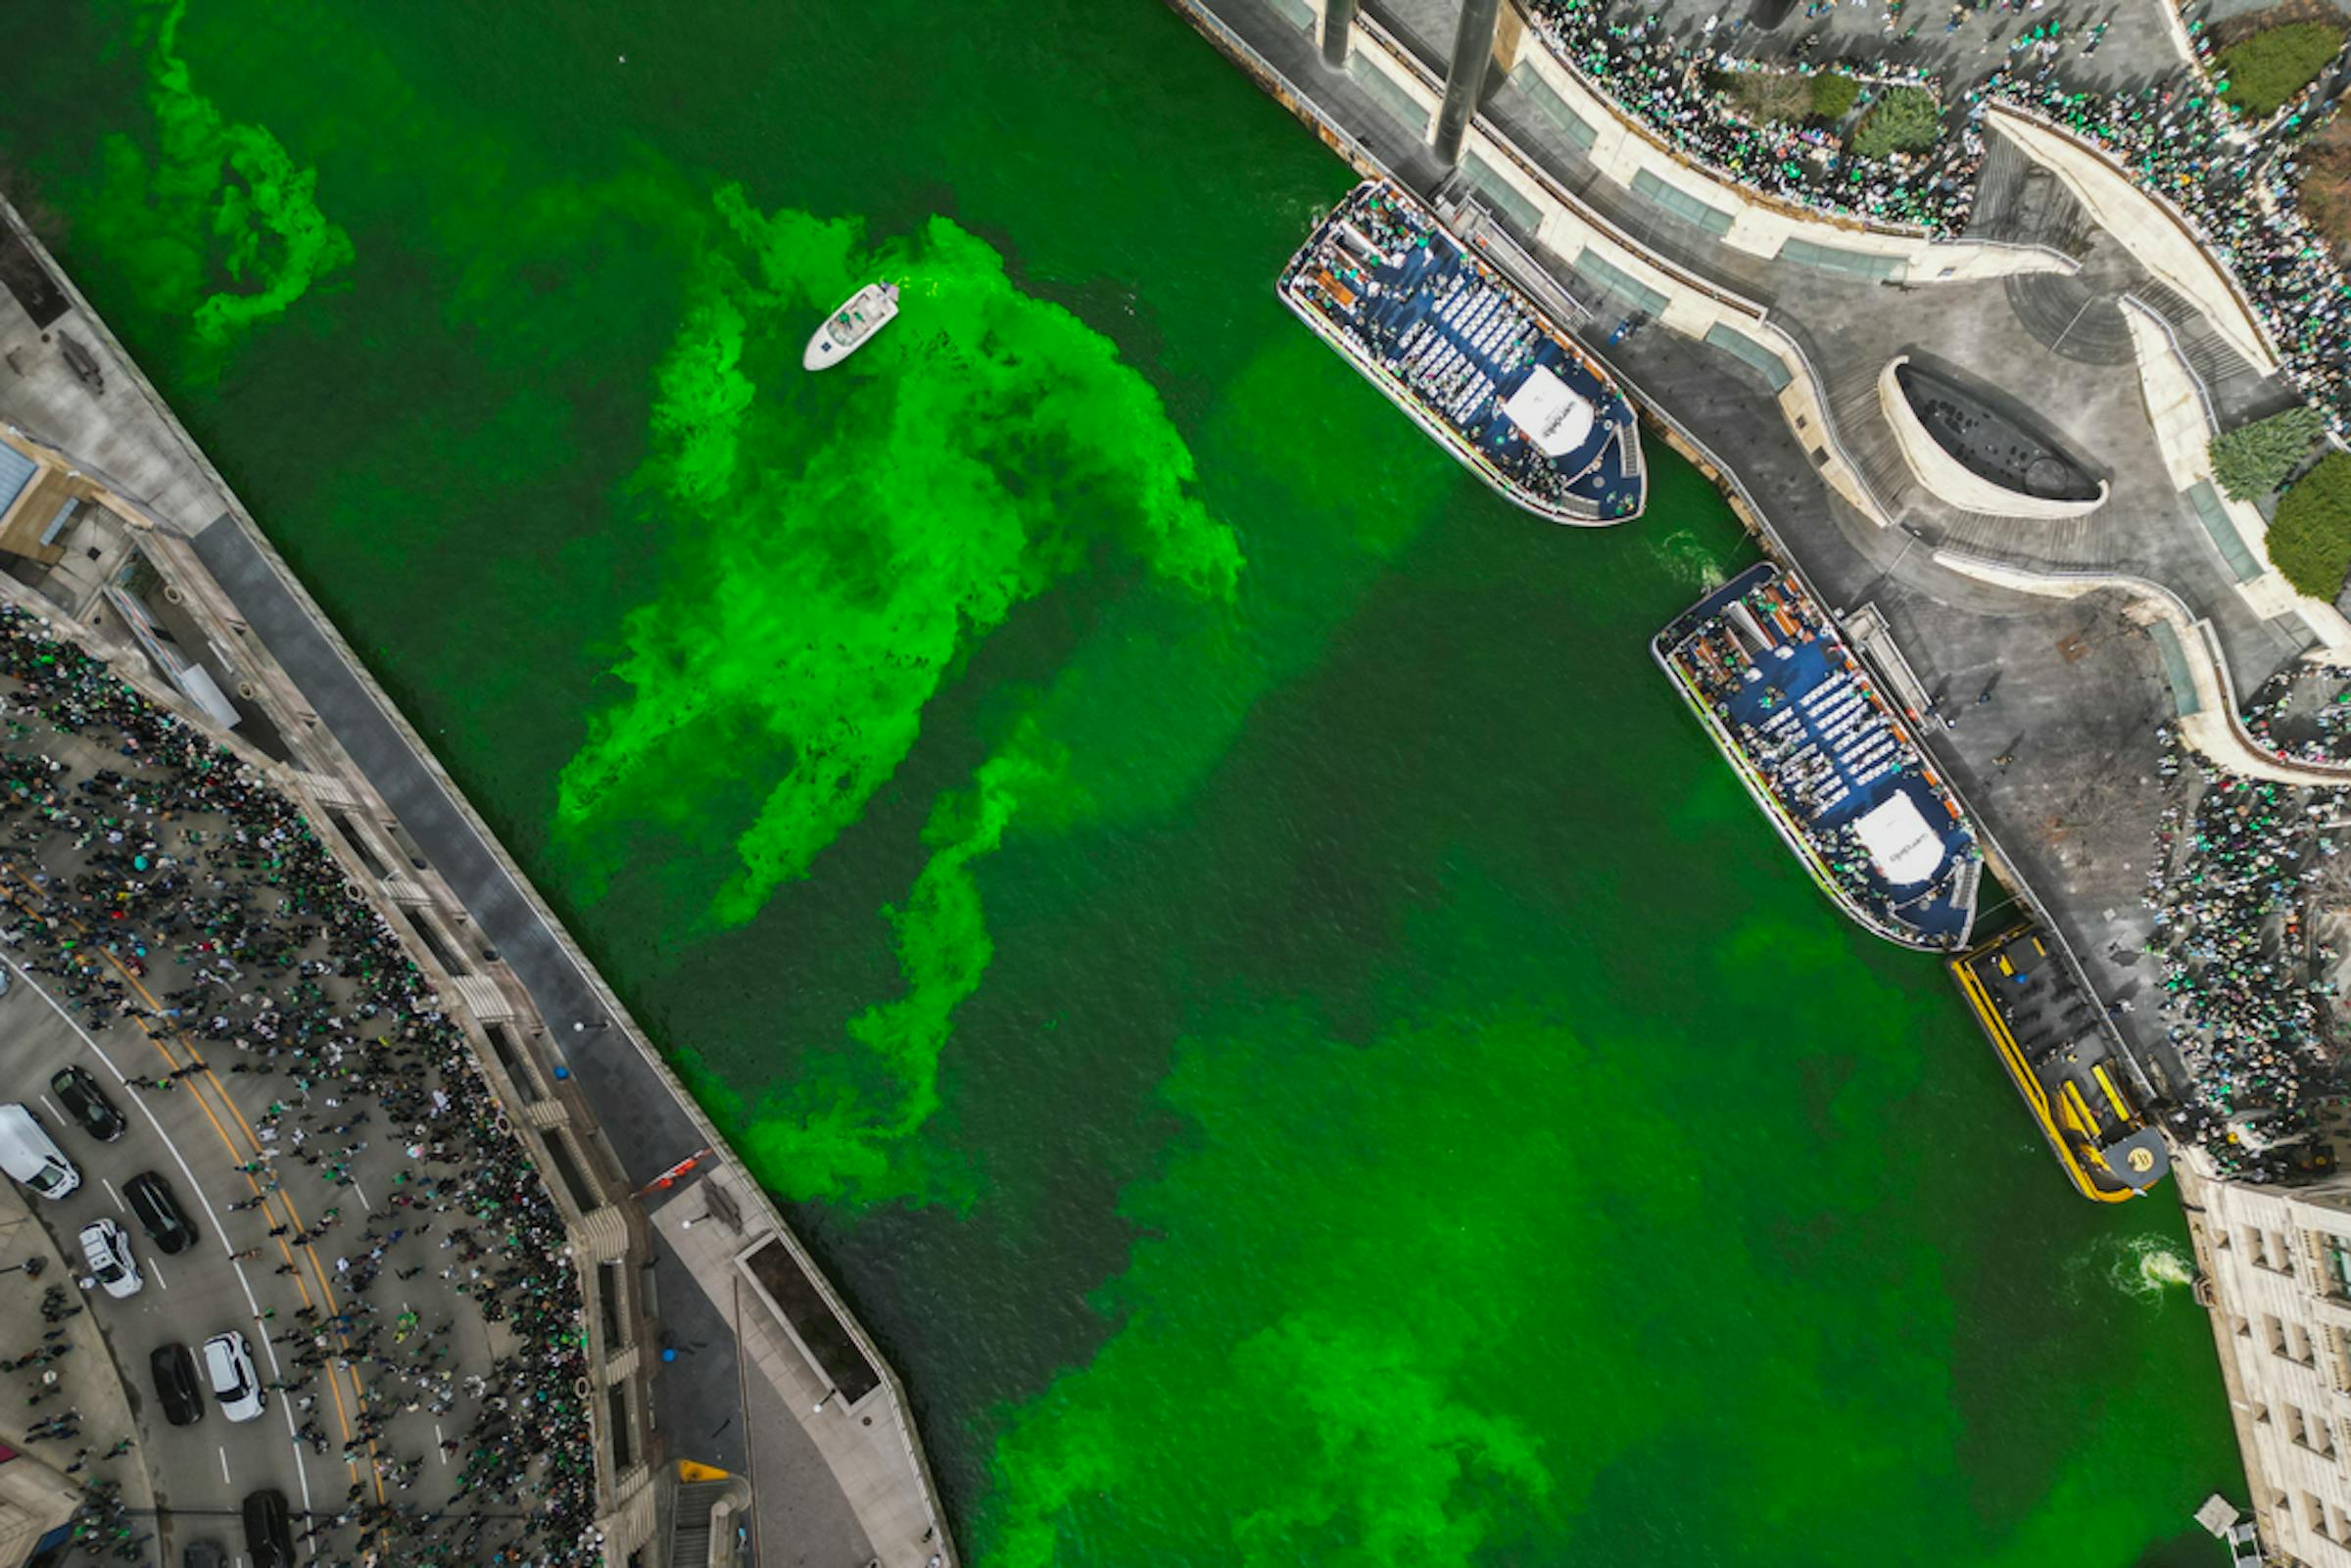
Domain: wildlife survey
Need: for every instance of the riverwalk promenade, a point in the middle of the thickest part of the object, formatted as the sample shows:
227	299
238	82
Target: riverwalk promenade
743	1413
2044	650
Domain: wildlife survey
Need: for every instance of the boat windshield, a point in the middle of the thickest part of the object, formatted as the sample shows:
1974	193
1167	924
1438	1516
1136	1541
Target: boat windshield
850	323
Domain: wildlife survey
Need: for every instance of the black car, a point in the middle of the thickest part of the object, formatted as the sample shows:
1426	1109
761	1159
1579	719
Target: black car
268	1530
204	1554
167	1223
80	1095
174	1371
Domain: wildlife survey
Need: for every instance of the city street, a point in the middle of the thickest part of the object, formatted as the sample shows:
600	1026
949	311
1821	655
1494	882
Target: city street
200	1473
362	1215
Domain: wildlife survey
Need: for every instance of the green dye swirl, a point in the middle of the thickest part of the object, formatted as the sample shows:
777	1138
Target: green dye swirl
838	1127
820	590
224	227
1348	1432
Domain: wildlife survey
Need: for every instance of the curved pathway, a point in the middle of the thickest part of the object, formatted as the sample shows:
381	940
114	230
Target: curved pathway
2201	689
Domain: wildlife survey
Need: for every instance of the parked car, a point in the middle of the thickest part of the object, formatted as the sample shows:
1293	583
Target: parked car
204	1554
175	1372
30	1156
105	1248
268	1528
89	1105
235	1384
167	1224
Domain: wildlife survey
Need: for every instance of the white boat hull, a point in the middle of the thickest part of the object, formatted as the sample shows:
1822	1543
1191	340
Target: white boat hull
852	327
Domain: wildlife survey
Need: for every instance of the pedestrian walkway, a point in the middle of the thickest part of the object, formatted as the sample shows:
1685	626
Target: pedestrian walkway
2203	695
366	1218
63	1404
820	1407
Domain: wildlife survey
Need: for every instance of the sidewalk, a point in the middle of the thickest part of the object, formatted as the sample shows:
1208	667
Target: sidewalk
87	1397
820	1410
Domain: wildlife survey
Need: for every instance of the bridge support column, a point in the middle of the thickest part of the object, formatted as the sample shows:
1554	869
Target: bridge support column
1465	80
1338	31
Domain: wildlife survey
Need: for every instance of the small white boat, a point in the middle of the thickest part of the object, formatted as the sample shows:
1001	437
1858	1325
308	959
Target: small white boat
846	330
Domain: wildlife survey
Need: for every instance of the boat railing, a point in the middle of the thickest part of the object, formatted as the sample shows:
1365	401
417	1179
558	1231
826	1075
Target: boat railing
1566	508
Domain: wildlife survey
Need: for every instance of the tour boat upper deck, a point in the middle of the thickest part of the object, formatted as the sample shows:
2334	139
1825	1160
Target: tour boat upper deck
1470	357
1827	757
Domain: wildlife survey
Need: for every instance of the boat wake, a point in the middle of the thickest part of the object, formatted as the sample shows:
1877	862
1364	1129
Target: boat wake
1688	559
2146	1268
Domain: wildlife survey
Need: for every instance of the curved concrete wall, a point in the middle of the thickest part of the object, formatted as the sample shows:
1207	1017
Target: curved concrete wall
2148	227
1953	481
2211	726
2184	429
1624	150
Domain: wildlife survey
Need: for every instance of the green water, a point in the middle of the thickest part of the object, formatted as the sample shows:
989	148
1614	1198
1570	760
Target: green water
1279	1019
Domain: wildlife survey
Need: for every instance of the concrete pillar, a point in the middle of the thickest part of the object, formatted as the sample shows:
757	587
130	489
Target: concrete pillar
1338	31
1466	81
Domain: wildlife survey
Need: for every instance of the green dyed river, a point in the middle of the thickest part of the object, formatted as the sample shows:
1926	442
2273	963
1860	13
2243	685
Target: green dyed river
1280	1020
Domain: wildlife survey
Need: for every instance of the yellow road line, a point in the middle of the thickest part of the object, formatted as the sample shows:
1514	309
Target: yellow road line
359	1392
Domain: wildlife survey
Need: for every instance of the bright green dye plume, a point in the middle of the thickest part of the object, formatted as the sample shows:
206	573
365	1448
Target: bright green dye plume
222	226
823	586
821	591
837	1128
1403	1106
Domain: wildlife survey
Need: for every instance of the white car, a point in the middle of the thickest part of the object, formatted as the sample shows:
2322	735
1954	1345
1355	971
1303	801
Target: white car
107	1251
230	1367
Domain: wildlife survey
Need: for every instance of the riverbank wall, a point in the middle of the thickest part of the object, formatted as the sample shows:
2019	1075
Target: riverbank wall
166	573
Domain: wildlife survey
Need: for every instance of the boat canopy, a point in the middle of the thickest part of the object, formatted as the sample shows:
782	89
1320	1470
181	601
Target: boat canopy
1895	833
1553	415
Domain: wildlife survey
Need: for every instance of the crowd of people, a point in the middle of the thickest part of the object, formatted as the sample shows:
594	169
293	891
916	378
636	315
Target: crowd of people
2244	975
2175	137
174	890
1671	87
2304	714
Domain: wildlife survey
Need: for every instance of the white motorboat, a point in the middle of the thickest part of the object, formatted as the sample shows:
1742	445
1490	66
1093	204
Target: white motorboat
848	328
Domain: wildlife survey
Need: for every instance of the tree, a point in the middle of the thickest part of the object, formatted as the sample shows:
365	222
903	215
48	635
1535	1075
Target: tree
2311	539
1905	120
1767	96
1833	95
2276	63
2326	160
2254	459
1785	97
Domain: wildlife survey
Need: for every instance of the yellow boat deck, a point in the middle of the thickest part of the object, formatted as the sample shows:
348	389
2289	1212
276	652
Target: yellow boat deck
2046	1033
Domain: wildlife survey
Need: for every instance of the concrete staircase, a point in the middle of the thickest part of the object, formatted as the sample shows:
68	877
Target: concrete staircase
2208	352
1861	428
2028	541
2075	542
2020	203
690	1527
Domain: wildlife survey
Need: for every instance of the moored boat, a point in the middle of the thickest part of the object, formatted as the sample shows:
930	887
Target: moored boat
1828	758
2069	1070
1471	357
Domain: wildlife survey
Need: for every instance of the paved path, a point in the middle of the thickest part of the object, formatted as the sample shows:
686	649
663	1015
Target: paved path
645	1127
703	1401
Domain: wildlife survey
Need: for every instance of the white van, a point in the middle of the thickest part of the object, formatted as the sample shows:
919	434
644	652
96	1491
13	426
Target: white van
29	1156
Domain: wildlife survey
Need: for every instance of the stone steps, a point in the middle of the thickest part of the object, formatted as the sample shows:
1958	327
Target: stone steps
1867	439
2208	354
689	1530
